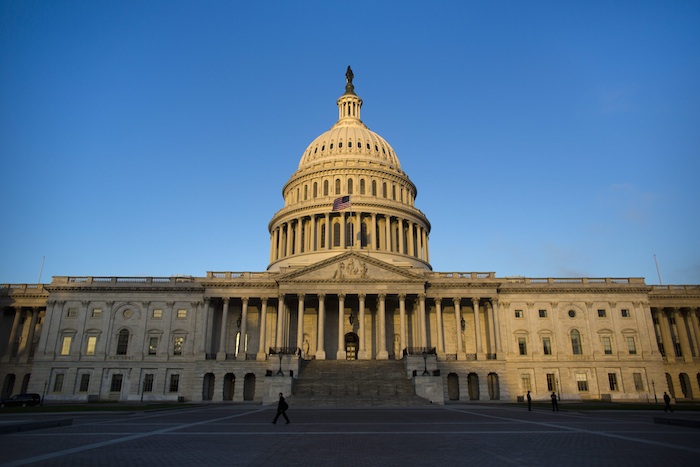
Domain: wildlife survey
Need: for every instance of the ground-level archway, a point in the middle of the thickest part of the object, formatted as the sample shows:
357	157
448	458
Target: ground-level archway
229	386
473	384
249	387
208	386
494	388
352	344
686	389
453	386
8	386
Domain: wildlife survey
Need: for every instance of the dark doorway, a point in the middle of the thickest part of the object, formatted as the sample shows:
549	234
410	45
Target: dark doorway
208	387
249	387
453	386
473	383
229	386
352	342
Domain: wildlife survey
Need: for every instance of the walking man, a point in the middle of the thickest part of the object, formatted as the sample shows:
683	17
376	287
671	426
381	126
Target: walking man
555	404
529	402
282	407
667	402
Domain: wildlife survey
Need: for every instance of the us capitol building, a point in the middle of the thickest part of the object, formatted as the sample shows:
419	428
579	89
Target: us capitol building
349	308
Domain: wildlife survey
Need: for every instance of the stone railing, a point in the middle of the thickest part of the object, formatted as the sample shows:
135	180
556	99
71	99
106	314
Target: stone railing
464	275
7	289
236	275
122	280
574	280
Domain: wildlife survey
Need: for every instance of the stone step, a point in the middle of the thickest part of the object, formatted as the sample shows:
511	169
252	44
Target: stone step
326	383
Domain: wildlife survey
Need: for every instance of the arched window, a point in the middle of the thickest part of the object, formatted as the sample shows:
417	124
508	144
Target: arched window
315	192
350	186
576	342
337	186
122	342
349	234
306	192
393	192
325	188
374	188
323	236
363	235
362	186
336	234
384	189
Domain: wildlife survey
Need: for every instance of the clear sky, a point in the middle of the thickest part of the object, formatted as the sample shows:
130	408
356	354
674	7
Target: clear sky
546	139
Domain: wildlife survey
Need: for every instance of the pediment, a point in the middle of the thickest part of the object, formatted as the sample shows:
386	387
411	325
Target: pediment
351	267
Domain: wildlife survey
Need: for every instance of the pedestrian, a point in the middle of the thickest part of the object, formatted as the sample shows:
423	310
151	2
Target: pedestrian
555	404
529	402
282	407
667	403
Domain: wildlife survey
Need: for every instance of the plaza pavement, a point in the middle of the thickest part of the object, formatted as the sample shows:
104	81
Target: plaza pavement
457	434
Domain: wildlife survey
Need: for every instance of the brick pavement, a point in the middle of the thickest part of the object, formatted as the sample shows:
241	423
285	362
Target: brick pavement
458	434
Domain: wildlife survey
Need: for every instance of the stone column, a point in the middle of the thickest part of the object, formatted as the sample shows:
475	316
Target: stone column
402	317
458	327
666	339
411	242
244	329
401	239
30	335
683	335
313	244
300	322
280	321
423	321
343	228
288	239
13	333
438	319
693	317
374	244
382	353
427	250
272	244
340	355
362	353
262	347
497	329
387	233
206	328
328	231
222	339
297	236
320	345
477	327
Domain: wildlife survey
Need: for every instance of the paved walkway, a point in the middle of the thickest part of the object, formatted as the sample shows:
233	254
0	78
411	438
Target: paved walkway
450	435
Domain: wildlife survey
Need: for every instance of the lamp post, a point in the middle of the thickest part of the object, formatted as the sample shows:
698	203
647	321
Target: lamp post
654	387
425	363
279	372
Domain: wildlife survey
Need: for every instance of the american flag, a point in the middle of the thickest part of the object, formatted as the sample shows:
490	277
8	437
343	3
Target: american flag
341	203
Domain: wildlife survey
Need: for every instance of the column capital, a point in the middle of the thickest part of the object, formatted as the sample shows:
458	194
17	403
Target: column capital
321	297
226	300
362	296
457	300
301	296
382	296
402	296
244	300
341	296
438	300
263	300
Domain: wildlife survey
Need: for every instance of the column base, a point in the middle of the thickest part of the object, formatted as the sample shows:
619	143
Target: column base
220	356
341	355
462	357
382	355
363	355
320	355
260	356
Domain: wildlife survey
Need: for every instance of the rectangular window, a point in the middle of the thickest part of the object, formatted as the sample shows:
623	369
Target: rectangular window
97	313
522	345
58	383
72	313
152	346
518	313
625	313
116	385
601	313
543	313
91	344
551	382
84	382
582	381
174	383
631	346
177	345
612	379
157	313
547	346
607	345
148	383
526	382
638	384
182	314
65	345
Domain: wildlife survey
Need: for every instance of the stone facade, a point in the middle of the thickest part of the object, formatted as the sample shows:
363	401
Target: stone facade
354	283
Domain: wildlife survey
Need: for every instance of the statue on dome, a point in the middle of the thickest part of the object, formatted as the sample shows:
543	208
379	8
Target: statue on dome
349	75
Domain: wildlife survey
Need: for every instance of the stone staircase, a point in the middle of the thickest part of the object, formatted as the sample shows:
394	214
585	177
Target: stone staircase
354	383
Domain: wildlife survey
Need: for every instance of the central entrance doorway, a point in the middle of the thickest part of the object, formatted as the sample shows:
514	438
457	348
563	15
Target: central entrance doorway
352	343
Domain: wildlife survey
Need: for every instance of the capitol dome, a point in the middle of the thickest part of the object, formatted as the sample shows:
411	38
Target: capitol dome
349	160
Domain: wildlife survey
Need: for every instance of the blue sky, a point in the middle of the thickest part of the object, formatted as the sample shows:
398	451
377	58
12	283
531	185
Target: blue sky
546	139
